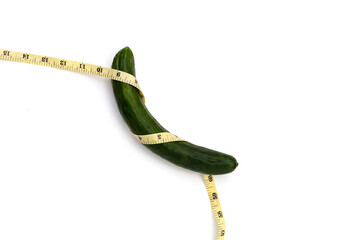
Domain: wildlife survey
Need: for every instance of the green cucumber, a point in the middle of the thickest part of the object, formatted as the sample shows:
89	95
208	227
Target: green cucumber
141	122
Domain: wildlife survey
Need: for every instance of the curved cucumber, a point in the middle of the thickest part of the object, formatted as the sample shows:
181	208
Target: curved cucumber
141	122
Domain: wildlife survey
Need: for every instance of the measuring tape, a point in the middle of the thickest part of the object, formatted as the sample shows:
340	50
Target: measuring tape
69	65
156	138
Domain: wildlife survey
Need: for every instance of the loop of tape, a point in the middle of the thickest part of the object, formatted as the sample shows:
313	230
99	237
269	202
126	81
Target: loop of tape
155	138
164	137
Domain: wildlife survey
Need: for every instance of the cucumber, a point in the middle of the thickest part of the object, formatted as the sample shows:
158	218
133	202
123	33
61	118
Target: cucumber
141	122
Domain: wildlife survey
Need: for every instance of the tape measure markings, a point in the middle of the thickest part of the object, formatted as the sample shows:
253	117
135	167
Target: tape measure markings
70	65
155	138
215	205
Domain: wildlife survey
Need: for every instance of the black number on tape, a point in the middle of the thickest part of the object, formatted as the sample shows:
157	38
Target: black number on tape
62	62
210	177
214	196
25	56
118	74
6	53
222	233
82	66
45	59
99	69
220	214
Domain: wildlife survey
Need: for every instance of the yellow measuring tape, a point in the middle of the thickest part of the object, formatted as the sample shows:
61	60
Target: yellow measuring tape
164	137
156	138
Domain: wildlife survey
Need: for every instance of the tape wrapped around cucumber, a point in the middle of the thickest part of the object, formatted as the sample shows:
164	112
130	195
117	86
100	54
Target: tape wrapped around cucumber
141	122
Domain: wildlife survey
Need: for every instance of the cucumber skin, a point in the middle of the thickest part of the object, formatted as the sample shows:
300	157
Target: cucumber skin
141	122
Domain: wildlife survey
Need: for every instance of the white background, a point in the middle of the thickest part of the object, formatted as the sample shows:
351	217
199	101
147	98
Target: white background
273	83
